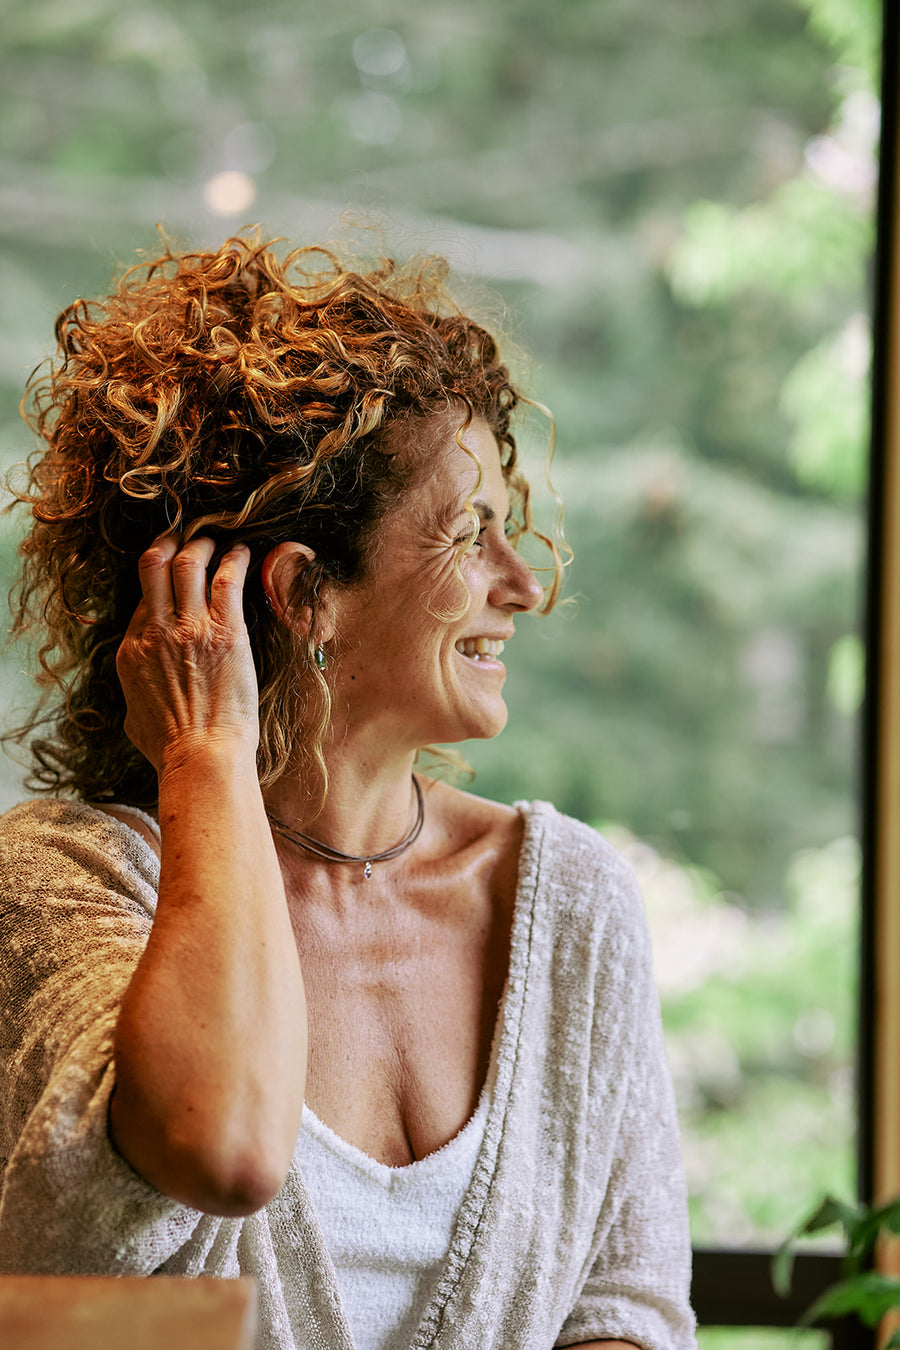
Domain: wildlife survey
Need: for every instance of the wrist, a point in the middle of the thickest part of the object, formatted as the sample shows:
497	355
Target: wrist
211	754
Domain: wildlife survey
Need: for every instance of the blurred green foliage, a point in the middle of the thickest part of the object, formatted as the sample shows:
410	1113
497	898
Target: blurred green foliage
759	1018
761	1338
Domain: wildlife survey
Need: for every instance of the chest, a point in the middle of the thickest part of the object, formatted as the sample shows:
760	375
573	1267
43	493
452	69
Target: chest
402	1003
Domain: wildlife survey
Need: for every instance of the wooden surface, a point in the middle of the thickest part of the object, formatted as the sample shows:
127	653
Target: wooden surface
62	1312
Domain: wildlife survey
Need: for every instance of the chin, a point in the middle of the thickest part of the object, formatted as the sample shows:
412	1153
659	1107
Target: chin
486	727
498	725
470	720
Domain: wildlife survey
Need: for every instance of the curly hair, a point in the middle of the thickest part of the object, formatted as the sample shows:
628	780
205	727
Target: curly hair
251	398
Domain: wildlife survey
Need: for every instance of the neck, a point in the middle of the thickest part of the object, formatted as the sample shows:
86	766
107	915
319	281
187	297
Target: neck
369	807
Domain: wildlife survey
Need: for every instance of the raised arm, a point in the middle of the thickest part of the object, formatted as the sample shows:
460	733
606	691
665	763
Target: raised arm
210	1047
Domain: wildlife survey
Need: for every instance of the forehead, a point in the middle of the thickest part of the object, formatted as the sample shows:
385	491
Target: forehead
452	473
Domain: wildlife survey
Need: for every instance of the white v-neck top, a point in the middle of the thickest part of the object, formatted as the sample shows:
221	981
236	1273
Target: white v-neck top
387	1229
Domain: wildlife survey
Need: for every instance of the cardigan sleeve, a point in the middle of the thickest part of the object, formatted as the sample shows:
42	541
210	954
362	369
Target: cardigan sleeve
77	896
637	1282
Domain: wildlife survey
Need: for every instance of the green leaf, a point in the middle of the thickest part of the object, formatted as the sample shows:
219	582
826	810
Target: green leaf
831	1211
865	1232
869	1296
783	1268
888	1216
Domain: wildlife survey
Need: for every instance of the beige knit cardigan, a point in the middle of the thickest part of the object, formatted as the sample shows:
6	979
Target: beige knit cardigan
574	1225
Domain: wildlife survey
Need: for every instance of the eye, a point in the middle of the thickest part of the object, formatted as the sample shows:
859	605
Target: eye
467	538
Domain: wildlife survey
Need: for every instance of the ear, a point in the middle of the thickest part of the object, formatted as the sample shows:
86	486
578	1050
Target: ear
280	569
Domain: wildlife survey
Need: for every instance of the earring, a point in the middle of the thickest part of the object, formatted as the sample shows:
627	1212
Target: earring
319	657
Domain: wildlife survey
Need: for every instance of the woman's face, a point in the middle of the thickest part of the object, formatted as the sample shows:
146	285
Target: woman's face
402	674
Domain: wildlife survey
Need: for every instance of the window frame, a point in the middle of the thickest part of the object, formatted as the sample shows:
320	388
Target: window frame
879	1089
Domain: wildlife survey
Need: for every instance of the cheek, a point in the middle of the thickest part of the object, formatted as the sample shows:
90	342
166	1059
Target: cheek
443	587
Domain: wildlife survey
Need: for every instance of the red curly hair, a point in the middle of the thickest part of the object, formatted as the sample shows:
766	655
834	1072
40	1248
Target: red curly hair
252	398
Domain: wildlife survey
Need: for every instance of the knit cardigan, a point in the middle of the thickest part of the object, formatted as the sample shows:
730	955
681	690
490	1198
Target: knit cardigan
574	1224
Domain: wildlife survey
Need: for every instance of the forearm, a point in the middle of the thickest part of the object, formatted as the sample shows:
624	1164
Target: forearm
210	1046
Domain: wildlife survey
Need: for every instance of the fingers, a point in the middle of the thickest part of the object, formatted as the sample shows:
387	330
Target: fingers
228	584
189	581
174	579
155	570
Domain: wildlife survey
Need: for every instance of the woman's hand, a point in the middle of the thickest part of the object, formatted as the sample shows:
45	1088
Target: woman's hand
185	664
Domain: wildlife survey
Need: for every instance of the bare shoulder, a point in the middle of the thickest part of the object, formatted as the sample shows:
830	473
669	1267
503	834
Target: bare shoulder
465	814
463	826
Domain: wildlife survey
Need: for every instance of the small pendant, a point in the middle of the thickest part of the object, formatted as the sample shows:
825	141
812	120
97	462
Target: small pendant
367	870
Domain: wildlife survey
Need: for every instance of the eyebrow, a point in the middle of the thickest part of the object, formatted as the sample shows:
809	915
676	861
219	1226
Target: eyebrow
484	511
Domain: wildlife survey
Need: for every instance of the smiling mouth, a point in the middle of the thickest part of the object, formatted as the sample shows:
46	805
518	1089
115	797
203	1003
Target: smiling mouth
477	649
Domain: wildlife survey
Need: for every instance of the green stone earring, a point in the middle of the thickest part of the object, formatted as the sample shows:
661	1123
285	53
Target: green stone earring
319	657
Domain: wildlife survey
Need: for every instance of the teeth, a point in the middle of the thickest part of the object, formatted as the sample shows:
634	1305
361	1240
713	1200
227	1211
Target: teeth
475	648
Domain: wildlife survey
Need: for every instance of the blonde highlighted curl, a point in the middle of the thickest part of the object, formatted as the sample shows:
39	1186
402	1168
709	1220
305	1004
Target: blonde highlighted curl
245	397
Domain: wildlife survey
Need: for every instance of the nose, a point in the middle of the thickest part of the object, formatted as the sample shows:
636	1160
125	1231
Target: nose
516	587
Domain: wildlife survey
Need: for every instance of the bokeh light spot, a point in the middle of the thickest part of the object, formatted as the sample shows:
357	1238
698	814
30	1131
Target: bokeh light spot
229	193
379	52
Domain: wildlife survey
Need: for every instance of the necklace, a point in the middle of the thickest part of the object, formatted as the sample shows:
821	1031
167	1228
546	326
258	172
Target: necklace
329	854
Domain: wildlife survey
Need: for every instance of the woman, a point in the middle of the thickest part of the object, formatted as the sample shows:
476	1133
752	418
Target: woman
273	555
